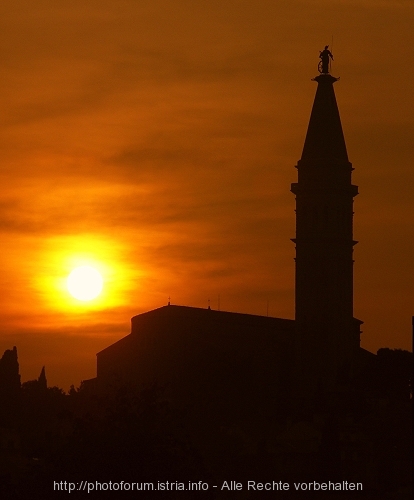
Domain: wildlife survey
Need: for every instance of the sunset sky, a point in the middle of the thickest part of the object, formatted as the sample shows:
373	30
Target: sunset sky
156	141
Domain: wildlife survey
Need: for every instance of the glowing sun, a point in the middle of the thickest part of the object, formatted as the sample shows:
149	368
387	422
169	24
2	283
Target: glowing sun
85	283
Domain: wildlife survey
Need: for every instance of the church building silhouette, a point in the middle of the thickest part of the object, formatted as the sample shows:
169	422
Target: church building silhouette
239	360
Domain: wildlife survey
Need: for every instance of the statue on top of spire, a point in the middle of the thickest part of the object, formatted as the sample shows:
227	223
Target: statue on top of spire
324	56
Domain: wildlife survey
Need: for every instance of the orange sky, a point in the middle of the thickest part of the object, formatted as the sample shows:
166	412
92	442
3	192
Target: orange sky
157	139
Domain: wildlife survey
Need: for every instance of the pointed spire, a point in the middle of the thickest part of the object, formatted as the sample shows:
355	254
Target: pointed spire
324	138
42	379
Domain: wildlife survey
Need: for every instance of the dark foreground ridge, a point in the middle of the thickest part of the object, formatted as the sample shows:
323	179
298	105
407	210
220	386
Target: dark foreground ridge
219	442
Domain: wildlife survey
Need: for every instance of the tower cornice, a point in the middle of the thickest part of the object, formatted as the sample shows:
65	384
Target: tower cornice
321	187
325	78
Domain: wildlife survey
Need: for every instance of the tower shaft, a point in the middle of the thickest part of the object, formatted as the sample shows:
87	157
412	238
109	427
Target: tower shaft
327	336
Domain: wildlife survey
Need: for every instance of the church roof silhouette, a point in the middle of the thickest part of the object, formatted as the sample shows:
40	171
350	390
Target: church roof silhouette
186	348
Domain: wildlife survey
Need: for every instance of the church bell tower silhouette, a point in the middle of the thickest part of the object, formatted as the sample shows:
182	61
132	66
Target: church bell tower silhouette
327	335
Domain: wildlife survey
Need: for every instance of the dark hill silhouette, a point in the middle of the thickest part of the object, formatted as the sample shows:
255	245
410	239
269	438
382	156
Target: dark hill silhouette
80	436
